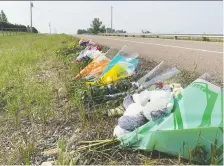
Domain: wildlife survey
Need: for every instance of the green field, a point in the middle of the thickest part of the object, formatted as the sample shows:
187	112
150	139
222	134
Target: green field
40	108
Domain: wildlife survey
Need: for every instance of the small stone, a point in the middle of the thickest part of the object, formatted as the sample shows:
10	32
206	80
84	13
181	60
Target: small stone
73	147
118	131
77	130
116	111
73	139
47	163
67	128
49	132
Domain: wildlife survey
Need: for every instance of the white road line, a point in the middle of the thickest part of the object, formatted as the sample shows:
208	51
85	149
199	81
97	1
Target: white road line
195	49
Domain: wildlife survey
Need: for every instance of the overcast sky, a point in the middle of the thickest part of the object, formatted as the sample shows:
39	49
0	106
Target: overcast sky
157	17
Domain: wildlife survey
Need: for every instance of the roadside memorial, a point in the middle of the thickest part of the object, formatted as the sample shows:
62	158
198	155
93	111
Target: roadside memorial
96	66
196	123
90	52
121	66
154	114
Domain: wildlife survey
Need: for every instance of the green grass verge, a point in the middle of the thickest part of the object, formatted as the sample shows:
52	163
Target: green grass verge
32	93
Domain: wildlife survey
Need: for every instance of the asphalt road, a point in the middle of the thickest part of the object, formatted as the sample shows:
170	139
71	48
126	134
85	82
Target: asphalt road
185	54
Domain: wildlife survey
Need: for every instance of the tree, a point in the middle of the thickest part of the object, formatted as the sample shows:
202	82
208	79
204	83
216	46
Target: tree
109	30
34	30
120	31
89	30
3	17
103	29
145	31
97	26
81	31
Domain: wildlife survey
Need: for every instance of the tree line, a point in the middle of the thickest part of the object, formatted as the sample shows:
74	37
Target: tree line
6	26
97	27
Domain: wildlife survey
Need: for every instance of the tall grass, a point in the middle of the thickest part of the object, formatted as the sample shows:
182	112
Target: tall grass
29	81
20	59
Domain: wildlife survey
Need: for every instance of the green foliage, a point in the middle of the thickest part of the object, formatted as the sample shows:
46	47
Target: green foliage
34	30
21	97
72	48
3	17
9	25
103	29
22	28
109	30
97	26
30	76
89	30
81	31
6	26
145	31
120	31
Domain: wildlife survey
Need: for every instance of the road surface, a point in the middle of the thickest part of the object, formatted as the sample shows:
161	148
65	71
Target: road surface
185	54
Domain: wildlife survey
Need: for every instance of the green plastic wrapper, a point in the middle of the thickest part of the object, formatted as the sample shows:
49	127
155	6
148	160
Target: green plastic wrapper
194	129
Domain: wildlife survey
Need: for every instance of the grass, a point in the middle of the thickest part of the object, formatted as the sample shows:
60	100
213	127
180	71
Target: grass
41	109
32	89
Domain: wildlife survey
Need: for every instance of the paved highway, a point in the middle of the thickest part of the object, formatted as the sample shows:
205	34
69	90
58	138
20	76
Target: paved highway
185	54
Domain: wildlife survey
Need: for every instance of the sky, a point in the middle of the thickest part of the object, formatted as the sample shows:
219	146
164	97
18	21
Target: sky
156	16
